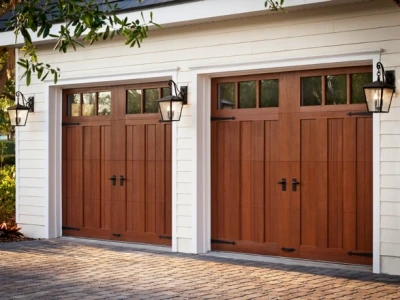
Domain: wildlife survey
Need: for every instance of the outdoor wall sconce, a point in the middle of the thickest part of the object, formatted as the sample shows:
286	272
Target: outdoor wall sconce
171	106
18	113
379	94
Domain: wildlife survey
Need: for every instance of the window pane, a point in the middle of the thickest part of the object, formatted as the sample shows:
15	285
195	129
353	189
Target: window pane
88	106
74	105
165	91
336	89
104	104
133	101
311	91
226	95
357	82
247	94
269	94
150	100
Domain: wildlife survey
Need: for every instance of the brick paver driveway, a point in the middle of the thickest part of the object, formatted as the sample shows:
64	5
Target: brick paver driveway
60	268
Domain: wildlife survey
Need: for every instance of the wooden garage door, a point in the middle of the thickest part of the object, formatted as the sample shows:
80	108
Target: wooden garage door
116	164
292	174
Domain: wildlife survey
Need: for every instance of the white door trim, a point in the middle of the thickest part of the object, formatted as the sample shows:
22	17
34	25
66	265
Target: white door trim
202	83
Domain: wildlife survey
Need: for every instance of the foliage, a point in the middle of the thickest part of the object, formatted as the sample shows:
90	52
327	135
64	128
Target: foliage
10	229
274	5
85	22
7	193
7	153
6	98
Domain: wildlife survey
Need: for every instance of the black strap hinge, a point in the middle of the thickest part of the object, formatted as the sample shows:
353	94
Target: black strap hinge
288	249
214	241
70	228
222	118
167	237
365	254
70	124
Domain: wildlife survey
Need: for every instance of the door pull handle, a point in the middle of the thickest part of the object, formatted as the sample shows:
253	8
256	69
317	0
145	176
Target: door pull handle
283	183
113	179
121	180
294	184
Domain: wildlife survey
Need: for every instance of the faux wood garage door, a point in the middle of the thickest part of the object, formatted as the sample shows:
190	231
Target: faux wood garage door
292	174
116	164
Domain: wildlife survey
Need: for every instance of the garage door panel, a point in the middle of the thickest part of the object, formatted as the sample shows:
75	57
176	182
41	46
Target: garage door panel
271	199
314	204
311	141
134	148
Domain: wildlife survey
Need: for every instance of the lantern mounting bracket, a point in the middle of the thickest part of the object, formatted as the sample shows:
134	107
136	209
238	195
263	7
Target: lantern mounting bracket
182	93
30	103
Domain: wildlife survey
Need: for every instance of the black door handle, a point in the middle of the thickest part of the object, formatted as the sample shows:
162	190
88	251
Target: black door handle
294	184
283	182
113	178
121	180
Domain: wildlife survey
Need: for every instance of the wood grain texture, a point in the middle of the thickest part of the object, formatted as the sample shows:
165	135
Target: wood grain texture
329	153
139	149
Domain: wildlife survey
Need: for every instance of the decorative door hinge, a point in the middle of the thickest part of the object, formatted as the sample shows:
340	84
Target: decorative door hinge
365	254
70	228
223	242
222	118
288	249
70	123
167	237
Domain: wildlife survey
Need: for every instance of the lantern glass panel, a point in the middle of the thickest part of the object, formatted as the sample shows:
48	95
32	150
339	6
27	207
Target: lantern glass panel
171	110
378	99
18	117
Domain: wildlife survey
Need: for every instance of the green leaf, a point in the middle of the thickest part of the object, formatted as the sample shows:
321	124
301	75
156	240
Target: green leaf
106	33
28	77
45	75
39	72
22	64
26	35
55	77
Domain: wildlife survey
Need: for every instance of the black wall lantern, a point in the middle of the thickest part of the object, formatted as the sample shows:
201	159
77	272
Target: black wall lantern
18	113
379	94
171	106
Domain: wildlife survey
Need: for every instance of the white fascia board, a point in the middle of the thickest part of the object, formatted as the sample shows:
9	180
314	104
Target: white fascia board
193	13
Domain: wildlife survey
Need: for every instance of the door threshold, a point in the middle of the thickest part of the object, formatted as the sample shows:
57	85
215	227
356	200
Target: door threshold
289	261
131	245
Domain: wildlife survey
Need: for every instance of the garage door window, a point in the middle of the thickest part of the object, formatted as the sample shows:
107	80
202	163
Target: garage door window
333	89
89	104
247	94
144	100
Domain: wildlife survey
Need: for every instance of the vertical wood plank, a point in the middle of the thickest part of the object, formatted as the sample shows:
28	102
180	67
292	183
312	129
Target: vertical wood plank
245	206
160	179
150	178
257	182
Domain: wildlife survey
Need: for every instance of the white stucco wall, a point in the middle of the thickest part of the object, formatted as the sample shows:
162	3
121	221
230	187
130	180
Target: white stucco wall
352	28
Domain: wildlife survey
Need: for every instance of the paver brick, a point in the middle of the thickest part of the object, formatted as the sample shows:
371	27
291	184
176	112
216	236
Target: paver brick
65	269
